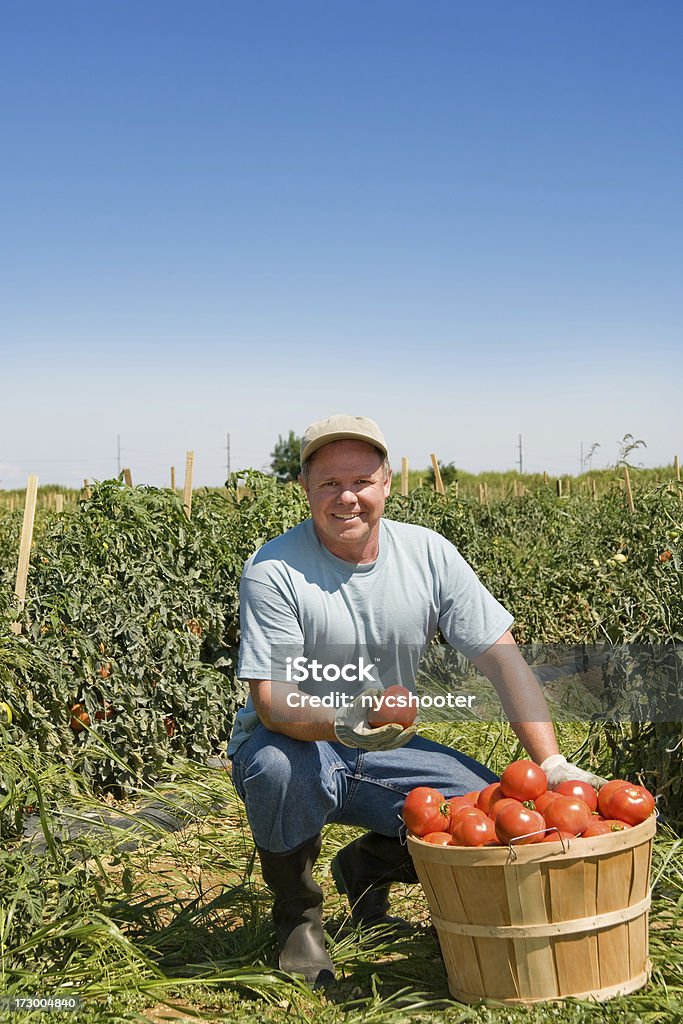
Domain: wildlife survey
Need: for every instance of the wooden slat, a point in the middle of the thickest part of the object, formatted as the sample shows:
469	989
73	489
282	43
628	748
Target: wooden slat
438	482
25	545
187	489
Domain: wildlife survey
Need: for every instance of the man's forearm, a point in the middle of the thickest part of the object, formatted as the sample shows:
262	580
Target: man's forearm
274	711
521	697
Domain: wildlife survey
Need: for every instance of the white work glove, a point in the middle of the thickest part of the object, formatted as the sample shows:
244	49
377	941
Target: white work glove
351	727
558	769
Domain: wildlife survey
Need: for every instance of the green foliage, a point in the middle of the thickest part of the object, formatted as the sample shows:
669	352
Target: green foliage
133	611
286	462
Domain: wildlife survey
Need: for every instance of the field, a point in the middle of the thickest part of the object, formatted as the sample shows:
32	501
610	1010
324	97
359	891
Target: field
131	614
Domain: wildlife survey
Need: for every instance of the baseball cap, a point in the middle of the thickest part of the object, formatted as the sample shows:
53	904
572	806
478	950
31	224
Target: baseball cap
341	428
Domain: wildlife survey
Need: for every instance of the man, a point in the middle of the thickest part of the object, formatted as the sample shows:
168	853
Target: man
326	595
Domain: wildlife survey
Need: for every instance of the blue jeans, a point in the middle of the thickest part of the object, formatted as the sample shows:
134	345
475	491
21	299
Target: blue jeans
292	788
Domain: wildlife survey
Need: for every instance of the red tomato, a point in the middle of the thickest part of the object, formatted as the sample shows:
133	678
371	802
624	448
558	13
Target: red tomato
394	707
542	801
515	821
500	804
473	829
458	805
631	804
489	793
438	838
425	810
569	814
607	792
472	797
616	826
596	828
555	836
580	789
523	780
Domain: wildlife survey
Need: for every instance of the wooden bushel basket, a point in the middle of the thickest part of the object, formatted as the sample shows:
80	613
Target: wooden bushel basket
542	922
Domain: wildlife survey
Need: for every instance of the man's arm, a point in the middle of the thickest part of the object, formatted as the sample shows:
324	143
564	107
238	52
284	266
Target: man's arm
521	696
271	704
279	707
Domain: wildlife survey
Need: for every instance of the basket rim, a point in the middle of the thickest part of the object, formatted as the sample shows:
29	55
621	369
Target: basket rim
574	849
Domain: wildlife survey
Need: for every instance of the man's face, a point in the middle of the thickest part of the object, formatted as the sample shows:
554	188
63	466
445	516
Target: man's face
347	491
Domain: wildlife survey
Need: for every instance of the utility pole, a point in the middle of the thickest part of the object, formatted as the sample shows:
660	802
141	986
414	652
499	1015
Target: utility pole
118	455
227	449
520	455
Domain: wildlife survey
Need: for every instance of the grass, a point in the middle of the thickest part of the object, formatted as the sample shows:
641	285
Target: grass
179	929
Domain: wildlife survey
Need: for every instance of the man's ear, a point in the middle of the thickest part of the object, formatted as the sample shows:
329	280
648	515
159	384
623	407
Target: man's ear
387	484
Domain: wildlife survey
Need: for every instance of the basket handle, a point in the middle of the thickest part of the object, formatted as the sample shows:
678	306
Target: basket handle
538	832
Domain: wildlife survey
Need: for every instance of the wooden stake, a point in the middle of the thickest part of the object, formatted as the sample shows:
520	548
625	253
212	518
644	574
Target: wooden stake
486	493
86	488
438	482
629	493
559	486
545	477
25	545
514	489
59	503
173	478
404	477
187	489
677	467
127	478
594	488
481	494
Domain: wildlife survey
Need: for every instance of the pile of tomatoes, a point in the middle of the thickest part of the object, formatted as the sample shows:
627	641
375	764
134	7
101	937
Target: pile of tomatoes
520	809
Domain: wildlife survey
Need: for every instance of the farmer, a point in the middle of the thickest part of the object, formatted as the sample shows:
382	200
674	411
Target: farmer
350	600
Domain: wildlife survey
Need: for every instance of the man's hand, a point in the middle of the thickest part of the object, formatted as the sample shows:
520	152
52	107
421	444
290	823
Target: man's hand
351	727
558	769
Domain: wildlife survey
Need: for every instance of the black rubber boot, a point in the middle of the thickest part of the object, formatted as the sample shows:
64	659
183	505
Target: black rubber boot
364	871
297	912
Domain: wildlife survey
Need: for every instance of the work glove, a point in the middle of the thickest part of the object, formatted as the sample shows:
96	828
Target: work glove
351	727
558	769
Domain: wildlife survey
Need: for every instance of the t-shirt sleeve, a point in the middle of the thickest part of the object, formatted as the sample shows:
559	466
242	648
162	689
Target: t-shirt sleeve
270	631
470	617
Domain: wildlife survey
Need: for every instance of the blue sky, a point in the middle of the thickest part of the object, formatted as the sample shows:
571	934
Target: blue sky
461	219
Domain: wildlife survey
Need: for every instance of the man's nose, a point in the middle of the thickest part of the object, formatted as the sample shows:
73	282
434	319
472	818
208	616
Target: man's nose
348	496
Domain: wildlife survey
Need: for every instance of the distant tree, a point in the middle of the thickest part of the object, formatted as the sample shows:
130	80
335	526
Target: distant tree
285	458
449	473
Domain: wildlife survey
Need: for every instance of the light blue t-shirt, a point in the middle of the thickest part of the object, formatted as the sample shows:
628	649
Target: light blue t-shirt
296	597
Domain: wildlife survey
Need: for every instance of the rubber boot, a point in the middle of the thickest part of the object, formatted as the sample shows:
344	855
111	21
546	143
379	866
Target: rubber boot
364	871
297	912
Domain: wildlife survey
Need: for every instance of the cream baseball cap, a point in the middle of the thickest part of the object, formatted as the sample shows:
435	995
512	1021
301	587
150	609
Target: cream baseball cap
341	428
